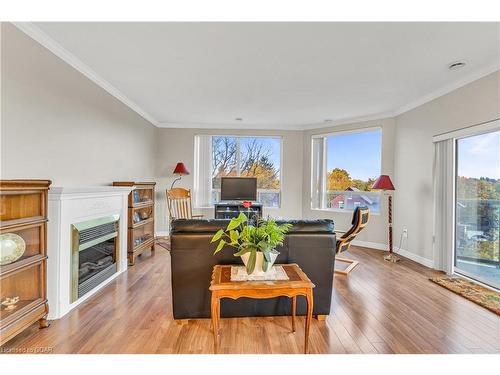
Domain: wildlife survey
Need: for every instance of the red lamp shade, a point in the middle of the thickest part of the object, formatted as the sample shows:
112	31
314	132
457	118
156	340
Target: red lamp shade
180	168
383	183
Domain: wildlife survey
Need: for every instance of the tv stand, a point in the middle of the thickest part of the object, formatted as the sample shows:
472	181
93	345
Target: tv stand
229	210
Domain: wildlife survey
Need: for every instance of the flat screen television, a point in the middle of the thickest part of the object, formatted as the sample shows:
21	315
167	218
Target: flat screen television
238	189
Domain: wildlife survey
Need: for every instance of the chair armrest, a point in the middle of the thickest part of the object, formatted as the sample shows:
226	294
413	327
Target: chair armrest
340	231
197	216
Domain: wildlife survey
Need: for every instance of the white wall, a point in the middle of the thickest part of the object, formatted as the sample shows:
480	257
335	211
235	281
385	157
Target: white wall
176	145
469	105
56	124
376	232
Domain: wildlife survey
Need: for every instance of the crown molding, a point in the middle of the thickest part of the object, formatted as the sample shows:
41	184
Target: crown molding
349	121
242	125
296	127
46	41
473	76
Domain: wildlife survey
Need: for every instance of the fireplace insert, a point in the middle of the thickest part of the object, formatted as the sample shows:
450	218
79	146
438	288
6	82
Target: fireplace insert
94	253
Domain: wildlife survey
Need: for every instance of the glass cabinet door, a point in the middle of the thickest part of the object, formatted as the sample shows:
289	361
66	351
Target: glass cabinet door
18	292
142	234
20	206
27	237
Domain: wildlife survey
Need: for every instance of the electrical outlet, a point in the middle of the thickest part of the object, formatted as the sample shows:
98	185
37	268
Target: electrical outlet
405	232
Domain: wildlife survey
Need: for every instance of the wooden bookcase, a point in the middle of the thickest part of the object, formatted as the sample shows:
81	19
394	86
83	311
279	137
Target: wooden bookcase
141	214
23	213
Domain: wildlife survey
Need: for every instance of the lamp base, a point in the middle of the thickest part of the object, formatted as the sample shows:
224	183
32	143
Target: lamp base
392	258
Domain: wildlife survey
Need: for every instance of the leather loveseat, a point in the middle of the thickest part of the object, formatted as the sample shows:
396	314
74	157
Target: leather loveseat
310	244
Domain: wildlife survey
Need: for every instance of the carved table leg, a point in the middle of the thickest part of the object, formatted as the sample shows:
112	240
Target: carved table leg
215	319
309	298
42	323
294	311
218	317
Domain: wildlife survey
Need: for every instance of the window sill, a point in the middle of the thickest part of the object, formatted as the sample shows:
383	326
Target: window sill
341	211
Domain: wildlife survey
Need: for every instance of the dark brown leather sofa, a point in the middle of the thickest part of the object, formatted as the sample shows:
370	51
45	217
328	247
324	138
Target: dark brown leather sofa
310	244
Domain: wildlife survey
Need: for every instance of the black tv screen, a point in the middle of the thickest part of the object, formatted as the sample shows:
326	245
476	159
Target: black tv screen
238	189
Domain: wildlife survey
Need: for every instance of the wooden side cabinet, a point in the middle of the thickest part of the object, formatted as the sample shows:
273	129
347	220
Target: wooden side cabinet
141	216
23	262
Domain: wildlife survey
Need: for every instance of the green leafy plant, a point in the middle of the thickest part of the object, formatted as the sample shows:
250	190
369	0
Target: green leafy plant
265	236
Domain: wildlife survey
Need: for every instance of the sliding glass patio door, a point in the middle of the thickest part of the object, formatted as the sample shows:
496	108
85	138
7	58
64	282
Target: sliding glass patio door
477	208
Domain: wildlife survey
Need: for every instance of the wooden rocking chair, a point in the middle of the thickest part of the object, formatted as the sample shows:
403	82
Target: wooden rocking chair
360	219
179	204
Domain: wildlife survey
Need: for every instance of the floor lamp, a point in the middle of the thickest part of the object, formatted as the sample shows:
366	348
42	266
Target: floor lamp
384	183
180	170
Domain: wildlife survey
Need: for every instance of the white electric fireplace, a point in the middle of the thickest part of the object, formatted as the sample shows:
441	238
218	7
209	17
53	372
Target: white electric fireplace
87	243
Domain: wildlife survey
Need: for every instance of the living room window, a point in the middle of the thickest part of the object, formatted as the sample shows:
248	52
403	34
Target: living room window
238	156
344	167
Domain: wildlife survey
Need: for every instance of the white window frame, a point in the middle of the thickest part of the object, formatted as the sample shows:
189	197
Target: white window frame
325	157
238	159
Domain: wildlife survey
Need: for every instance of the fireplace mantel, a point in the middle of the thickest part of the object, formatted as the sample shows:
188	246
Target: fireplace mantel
74	192
67	206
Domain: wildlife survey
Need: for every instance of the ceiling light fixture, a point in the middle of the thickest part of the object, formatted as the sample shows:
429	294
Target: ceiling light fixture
328	120
456	65
238	119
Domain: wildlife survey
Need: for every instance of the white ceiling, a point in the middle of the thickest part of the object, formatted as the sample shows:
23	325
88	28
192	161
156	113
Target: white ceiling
274	75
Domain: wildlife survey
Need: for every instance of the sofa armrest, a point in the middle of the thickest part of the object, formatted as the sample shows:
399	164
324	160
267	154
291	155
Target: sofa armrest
315	255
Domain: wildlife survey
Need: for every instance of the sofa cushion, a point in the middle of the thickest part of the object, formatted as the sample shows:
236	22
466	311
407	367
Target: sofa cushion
198	225
310	226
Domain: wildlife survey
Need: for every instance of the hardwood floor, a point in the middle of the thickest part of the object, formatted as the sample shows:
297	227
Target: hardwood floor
380	308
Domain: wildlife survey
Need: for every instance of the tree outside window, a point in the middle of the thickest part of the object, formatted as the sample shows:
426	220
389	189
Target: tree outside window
258	157
353	163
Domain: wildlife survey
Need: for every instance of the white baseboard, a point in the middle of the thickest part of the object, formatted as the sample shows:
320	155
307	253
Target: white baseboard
371	245
416	258
404	253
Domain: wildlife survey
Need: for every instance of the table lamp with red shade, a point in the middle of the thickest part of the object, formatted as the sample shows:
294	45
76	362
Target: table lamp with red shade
180	170
384	183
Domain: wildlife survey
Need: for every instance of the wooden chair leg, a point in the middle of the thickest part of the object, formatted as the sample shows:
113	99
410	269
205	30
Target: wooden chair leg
321	318
131	259
43	323
352	265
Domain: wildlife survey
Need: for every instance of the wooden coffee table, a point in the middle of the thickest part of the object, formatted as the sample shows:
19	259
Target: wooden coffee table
298	284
